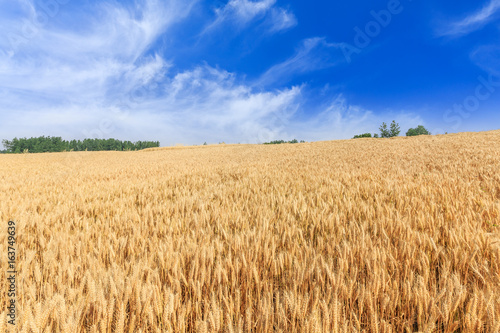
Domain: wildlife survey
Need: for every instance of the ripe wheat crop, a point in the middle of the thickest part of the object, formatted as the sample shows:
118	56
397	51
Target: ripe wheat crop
368	235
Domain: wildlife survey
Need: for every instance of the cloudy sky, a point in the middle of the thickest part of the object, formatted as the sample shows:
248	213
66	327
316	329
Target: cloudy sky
248	71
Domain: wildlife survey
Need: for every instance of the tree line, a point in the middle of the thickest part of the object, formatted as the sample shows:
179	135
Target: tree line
278	142
393	131
45	144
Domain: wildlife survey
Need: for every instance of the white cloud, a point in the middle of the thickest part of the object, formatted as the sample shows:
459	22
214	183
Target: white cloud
240	13
109	30
473	21
219	108
281	20
75	66
245	10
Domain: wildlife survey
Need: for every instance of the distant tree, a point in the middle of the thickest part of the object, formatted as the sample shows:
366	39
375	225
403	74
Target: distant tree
7	144
375	135
56	144
384	131
278	142
366	135
205	143
275	142
420	130
389	133
395	129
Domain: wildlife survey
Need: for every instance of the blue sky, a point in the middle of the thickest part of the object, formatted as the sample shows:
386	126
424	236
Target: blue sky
187	71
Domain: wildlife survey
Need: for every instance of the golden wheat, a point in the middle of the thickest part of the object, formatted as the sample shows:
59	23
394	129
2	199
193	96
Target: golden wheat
373	235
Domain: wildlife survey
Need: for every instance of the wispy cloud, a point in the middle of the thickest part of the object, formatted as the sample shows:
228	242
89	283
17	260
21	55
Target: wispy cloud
243	11
313	54
281	20
473	21
487	57
58	62
240	13
106	30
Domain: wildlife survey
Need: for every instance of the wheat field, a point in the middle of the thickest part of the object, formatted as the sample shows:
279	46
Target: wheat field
367	235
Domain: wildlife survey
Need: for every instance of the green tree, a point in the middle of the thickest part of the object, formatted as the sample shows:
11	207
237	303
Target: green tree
44	144
395	129
366	135
420	130
8	145
384	131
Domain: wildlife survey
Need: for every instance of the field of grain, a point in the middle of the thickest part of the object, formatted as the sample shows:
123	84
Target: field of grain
367	235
